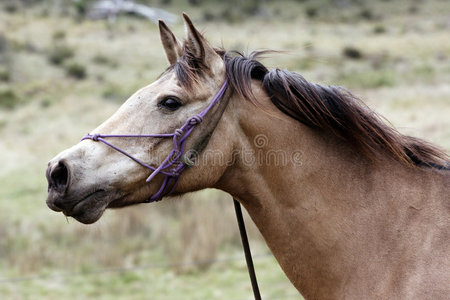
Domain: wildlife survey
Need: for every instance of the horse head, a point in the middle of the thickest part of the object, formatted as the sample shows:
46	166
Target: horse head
155	128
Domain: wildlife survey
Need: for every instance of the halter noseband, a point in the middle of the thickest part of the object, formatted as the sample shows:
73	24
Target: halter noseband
175	163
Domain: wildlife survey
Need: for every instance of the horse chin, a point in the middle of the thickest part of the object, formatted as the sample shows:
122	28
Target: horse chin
88	217
90	209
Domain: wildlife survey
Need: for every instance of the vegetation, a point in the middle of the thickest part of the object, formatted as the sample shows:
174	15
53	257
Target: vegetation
8	98
379	29
59	54
101	59
59	35
4	75
76	70
352	52
398	63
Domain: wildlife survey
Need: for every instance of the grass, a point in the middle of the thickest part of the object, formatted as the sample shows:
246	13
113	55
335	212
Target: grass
222	281
403	73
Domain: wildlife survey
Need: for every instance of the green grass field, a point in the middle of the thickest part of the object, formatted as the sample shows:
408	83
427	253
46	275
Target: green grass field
61	76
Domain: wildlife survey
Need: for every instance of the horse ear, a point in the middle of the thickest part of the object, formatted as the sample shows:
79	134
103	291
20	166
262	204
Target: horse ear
198	44
194	38
171	45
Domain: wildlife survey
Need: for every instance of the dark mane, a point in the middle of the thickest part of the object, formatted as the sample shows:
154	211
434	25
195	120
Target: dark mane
328	108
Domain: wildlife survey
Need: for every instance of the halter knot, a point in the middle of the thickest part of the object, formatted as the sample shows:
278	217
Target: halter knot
197	119
95	137
178	132
174	171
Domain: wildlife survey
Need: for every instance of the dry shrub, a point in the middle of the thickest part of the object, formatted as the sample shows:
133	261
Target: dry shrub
8	98
59	54
352	52
76	70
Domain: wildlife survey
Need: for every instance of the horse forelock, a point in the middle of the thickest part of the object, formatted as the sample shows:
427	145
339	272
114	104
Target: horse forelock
328	108
188	69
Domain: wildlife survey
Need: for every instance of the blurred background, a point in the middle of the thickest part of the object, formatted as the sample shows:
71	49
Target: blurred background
65	66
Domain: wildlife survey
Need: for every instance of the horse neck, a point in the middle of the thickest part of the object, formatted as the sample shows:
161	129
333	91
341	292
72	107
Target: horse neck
316	211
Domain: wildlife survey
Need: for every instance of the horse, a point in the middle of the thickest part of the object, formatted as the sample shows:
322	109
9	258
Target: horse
350	207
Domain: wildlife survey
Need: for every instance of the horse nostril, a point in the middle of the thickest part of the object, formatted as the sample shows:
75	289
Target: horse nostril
59	177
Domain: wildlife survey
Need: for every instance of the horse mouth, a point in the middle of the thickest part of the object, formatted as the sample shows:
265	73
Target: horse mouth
90	208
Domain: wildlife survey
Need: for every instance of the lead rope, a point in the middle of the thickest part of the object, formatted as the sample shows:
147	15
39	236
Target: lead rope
246	246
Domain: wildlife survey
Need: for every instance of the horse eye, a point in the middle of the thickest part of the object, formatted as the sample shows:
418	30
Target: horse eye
170	103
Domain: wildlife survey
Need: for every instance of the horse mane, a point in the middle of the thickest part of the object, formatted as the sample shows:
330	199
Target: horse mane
327	108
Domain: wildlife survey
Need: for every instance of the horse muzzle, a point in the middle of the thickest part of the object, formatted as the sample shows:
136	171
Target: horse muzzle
85	205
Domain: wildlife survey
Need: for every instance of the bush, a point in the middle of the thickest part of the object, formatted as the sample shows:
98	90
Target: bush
11	7
101	59
81	7
4	75
194	2
251	8
59	35
366	14
46	102
59	54
379	29
311	12
413	9
8	98
76	70
208	16
352	52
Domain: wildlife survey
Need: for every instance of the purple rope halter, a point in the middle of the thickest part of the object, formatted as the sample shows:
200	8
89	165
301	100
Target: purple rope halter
175	162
